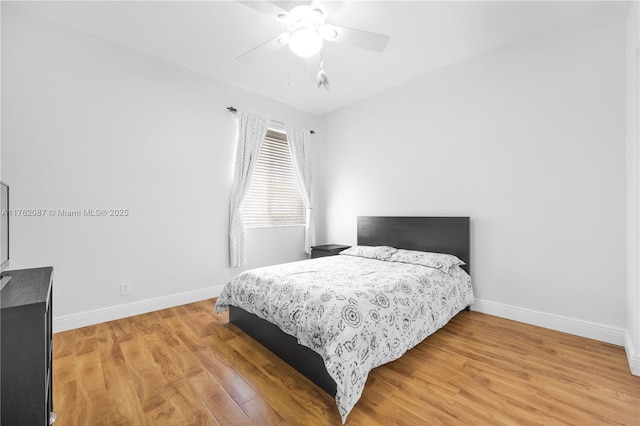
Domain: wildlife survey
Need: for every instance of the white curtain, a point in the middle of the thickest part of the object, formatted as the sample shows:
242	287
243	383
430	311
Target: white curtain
251	132
300	144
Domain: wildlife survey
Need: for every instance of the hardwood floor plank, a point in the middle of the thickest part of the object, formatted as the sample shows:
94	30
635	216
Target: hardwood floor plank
261	413
227	376
146	378
187	366
186	408
118	380
272	387
65	402
222	407
92	397
64	344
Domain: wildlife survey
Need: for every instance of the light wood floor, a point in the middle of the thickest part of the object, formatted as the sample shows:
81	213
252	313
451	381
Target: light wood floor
187	366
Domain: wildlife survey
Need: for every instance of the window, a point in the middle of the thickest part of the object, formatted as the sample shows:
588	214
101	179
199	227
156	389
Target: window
273	198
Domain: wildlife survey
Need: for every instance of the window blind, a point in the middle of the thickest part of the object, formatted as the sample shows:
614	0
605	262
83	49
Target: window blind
273	198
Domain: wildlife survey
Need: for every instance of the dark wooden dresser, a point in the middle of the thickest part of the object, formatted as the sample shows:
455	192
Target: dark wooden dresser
26	309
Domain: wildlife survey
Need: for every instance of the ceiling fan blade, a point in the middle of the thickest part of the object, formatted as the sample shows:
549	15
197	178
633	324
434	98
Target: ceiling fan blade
266	7
359	38
328	7
293	3
264	49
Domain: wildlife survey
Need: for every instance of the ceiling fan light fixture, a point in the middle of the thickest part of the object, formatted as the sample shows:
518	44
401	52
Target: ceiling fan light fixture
328	33
284	38
305	42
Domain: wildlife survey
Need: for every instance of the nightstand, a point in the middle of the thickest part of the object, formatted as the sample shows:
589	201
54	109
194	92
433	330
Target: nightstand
327	250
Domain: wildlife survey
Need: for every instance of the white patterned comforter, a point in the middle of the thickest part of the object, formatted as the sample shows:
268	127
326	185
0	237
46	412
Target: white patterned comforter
357	313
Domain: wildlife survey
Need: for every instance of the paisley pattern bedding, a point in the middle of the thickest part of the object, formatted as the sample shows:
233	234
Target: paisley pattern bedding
357	313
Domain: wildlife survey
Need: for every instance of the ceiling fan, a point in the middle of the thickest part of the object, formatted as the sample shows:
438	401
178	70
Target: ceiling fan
307	29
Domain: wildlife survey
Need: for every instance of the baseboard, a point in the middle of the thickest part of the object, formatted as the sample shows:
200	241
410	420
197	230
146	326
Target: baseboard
83	319
591	330
632	354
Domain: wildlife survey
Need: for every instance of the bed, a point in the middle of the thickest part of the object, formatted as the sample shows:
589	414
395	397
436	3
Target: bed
336	318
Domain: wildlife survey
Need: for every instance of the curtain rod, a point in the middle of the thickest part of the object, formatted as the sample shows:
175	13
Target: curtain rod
235	111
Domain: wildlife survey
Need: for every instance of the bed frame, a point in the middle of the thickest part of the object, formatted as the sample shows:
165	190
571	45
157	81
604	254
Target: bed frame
435	234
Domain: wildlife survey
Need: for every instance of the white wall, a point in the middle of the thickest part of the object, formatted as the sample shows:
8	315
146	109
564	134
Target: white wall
88	124
632	338
536	127
527	140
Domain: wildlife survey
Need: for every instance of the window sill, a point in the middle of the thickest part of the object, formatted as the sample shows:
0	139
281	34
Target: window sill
272	226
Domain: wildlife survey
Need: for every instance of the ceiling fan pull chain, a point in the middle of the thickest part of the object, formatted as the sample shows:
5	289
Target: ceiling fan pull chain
289	70
321	78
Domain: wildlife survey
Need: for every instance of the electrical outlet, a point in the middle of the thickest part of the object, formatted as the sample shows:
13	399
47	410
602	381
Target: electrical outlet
124	289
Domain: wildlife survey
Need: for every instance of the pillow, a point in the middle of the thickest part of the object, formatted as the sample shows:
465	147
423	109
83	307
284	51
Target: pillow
441	261
370	252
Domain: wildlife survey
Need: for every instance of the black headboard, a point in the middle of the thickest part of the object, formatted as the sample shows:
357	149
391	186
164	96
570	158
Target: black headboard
435	234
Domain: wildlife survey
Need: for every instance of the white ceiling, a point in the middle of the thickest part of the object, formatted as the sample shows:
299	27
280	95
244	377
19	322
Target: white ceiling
207	36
